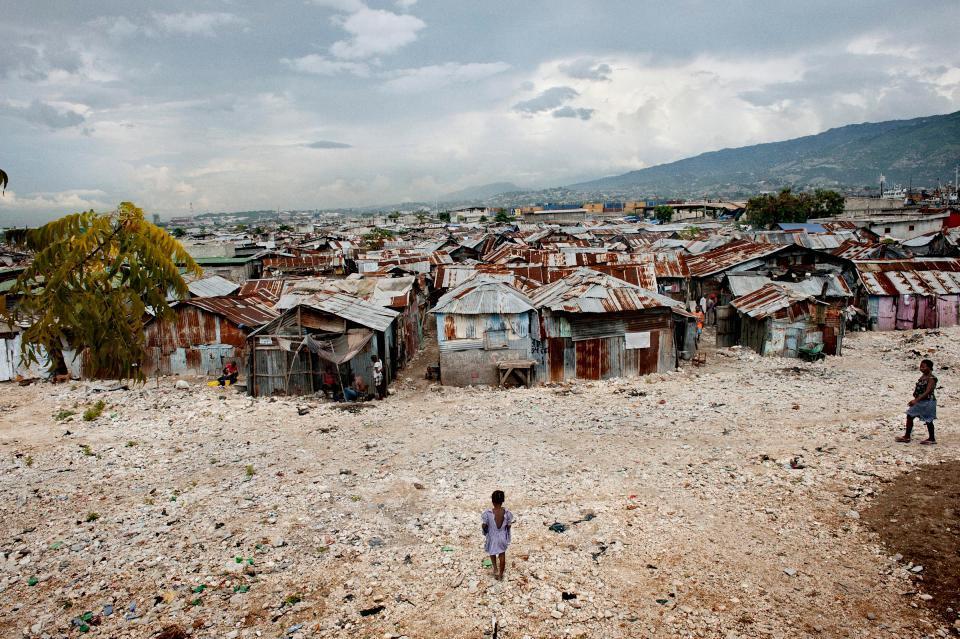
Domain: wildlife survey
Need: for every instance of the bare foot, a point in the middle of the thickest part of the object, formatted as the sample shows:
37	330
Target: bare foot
903	439
929	442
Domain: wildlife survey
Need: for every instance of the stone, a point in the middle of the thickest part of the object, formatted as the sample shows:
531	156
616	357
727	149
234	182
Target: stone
182	384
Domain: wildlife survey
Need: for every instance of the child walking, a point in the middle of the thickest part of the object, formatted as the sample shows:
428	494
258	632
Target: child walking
496	523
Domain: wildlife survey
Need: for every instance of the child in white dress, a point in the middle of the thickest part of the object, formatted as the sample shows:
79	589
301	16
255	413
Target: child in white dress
496	523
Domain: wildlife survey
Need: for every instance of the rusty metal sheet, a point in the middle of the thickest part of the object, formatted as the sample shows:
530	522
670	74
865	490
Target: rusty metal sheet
591	359
247	312
910	277
728	256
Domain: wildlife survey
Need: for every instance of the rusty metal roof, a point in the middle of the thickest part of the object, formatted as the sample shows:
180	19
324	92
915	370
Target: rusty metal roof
910	277
268	291
768	300
728	256
346	306
670	265
588	291
247	313
312	261
484	295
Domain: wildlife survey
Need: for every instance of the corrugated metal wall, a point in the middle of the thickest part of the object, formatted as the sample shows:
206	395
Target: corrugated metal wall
197	342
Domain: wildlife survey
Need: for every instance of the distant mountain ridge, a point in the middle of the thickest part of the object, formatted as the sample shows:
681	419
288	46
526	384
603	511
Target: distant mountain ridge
481	192
853	156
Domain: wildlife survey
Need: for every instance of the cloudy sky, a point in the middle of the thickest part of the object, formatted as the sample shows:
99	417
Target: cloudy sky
236	105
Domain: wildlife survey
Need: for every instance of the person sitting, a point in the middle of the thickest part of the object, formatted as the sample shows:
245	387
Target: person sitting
357	391
230	374
328	383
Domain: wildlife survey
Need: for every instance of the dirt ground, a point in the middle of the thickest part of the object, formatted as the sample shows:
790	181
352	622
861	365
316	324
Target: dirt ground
918	516
748	498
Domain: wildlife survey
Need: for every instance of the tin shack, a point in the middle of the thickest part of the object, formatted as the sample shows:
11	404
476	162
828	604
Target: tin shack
325	332
908	294
776	320
481	322
595	326
206	333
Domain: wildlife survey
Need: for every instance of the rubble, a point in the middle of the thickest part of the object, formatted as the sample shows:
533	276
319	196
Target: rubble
719	512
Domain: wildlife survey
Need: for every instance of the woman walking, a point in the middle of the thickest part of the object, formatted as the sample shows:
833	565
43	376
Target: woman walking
923	406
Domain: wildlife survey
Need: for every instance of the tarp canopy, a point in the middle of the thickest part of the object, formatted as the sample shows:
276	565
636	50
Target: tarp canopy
340	349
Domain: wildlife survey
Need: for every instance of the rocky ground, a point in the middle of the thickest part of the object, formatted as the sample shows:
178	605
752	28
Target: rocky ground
721	501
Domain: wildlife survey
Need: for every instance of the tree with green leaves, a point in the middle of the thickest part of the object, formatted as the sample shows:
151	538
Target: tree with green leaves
502	217
94	281
663	213
443	216
483	219
421	217
178	232
394	216
766	210
4	179
376	237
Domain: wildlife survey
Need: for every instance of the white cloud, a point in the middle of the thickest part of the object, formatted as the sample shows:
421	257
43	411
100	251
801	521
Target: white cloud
435	76
204	24
319	65
71	201
375	32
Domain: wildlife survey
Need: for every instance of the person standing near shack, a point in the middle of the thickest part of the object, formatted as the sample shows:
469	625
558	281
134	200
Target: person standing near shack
378	385
923	406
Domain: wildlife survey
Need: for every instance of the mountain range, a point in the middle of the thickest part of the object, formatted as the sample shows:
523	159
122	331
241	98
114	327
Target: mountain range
921	150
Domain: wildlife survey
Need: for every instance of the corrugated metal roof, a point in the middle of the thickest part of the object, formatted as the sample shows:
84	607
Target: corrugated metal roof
728	256
382	291
670	265
483	295
809	227
268	291
343	305
588	291
302	262
767	301
910	277
812	286
213	286
242	312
